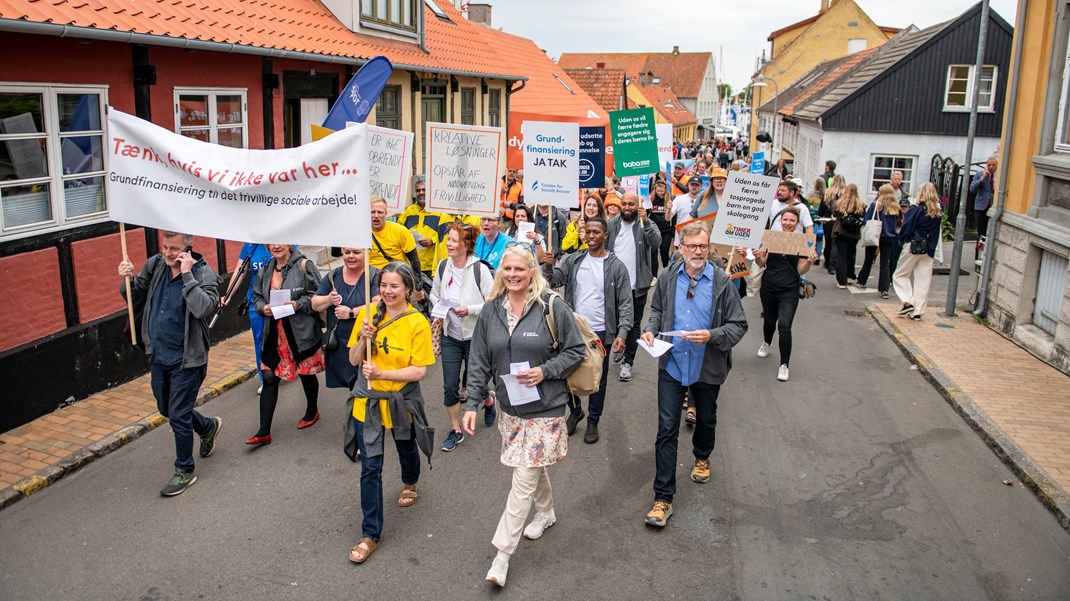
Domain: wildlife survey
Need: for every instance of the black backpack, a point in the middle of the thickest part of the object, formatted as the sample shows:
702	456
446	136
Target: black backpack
851	222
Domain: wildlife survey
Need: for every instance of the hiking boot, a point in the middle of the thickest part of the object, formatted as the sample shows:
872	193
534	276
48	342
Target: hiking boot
701	472
208	440
539	525
453	439
572	421
625	372
659	515
178	483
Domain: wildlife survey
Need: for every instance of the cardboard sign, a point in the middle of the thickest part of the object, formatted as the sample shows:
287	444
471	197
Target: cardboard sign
748	199
635	142
789	243
463	168
709	219
551	163
736	266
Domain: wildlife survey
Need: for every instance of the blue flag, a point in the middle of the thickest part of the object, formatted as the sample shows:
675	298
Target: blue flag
360	94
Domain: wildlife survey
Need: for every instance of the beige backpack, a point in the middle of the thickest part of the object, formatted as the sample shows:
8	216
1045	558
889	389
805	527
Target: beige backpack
587	378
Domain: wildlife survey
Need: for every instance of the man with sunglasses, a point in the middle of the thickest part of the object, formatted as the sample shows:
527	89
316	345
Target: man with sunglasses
696	301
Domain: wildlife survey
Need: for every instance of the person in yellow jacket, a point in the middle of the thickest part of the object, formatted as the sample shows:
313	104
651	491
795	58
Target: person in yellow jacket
575	238
424	225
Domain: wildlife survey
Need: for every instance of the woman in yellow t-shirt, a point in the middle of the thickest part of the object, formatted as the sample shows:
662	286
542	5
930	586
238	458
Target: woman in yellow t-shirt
401	352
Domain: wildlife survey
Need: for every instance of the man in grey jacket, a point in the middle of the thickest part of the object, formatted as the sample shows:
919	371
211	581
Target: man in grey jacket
695	299
630	237
178	292
597	287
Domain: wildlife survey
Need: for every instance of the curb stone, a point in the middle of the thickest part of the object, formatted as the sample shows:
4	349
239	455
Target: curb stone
1047	491
95	450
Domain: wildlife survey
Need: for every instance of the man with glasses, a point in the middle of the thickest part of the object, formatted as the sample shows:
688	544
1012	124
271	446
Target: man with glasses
492	242
696	301
631	236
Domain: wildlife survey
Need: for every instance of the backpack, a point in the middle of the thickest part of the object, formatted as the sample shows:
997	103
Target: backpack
479	273
587	378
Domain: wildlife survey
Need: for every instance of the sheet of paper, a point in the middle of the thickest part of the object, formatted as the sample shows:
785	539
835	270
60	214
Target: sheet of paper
515	368
647	203
523	228
279	297
442	308
280	311
519	394
674	333
825	219
659	348
417	235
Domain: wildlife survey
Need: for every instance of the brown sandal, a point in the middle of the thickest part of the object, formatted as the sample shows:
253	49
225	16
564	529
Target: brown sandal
409	493
363	550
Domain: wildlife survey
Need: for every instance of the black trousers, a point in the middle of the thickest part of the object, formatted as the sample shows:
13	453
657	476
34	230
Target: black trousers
778	308
846	251
631	343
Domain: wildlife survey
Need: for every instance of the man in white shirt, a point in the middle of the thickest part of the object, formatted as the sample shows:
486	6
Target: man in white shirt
787	194
631	236
681	205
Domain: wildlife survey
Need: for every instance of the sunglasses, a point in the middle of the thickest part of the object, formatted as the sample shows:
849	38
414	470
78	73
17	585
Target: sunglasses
691	288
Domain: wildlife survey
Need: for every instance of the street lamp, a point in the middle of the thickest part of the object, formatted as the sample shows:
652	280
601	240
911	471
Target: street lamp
759	81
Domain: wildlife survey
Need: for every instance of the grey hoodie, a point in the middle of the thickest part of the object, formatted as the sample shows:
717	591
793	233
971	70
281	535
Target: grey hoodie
617	291
647	236
494	349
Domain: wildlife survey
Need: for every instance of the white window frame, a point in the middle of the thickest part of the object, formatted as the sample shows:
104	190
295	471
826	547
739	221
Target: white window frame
971	69
213	126
909	183
54	144
1061	125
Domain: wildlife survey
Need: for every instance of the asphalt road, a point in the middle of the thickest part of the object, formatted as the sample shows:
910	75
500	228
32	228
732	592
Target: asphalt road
854	480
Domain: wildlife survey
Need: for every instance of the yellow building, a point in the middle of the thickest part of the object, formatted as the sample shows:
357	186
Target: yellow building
839	28
1024	293
667	108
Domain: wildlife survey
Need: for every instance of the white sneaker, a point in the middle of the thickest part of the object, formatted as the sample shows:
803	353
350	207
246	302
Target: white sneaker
763	351
782	375
625	372
260	390
498	571
539	525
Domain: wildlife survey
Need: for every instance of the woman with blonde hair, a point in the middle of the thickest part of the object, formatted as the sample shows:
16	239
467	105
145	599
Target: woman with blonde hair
512	337
846	231
828	205
885	208
919	236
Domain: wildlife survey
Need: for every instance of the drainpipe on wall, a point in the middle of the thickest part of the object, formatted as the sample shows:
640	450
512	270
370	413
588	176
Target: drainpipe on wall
986	267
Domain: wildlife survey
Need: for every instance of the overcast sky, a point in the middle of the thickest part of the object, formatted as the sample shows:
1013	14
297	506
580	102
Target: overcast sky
740	27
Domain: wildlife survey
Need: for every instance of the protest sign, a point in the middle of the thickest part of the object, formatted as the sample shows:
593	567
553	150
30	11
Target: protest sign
316	194
515	149
644	191
635	144
630	183
463	168
788	243
389	154
592	156
707	218
736	265
757	162
664	135
745	207
551	163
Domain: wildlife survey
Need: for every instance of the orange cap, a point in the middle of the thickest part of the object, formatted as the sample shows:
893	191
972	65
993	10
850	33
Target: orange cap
718	172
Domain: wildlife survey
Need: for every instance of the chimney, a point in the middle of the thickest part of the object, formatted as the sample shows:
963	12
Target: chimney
676	51
825	5
599	65
480	13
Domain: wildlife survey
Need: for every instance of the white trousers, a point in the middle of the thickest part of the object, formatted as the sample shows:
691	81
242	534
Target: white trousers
528	483
919	266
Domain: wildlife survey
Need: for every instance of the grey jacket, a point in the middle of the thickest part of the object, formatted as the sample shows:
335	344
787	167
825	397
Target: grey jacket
646	238
408	401
494	349
200	290
727	327
305	323
617	290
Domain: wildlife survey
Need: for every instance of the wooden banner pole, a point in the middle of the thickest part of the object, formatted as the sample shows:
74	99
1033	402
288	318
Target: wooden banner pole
368	299
129	293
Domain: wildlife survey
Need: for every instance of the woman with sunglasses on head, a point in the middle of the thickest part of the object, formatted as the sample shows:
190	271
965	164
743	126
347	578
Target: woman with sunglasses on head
512	336
780	291
575	235
387	396
341	294
463	282
526	214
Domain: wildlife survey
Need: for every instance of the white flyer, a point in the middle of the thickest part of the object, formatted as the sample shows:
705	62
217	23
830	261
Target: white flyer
675	333
280	311
278	298
659	348
519	394
442	308
523	228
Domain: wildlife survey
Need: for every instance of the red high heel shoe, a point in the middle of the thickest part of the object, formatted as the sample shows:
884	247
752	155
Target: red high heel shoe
304	423
258	441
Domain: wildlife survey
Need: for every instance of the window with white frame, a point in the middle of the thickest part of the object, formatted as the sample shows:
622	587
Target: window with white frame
51	157
959	90
884	165
1062	130
219	116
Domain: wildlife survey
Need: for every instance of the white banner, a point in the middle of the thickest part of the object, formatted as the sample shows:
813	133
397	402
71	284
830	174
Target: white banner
664	133
551	163
464	168
316	194
745	208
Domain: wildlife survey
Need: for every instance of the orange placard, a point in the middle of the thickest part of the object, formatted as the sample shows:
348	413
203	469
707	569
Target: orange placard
709	218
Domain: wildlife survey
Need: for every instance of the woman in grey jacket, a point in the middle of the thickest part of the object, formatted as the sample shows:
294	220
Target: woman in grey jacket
512	337
291	344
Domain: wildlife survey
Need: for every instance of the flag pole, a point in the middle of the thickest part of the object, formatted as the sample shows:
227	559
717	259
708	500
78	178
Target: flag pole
129	300
368	299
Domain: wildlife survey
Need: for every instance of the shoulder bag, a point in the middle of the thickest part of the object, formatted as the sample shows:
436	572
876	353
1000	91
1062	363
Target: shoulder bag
871	233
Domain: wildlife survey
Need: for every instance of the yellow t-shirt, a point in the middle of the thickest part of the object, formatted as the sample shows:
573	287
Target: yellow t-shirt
441	252
404	342
417	219
396	241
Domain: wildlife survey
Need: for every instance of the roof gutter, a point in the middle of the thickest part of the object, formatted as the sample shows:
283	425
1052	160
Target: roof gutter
130	37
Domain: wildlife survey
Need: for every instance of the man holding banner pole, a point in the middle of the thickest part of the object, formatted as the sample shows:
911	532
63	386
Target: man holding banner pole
631	236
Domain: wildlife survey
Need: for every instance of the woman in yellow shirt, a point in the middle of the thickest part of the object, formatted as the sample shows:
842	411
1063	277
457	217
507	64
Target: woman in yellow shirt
575	236
387	396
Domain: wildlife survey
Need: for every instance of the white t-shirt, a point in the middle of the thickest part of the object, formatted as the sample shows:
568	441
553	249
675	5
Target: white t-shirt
681	211
804	215
624	248
454	278
591	291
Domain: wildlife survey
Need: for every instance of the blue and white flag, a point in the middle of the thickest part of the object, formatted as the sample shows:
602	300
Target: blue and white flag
360	94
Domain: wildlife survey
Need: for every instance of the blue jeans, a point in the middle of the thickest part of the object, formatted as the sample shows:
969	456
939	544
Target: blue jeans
597	400
703	397
453	353
371	481
175	389
256	324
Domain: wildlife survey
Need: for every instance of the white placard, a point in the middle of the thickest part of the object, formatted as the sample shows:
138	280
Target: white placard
745	207
389	157
316	194
464	168
551	163
664	133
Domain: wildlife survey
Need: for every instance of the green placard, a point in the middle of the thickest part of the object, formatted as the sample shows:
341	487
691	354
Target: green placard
635	142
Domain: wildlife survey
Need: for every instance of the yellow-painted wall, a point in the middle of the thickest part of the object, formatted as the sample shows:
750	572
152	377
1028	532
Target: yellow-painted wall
824	39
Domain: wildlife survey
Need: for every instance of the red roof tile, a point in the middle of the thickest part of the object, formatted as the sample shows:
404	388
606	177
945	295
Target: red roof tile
845	65
606	86
295	25
668	104
682	71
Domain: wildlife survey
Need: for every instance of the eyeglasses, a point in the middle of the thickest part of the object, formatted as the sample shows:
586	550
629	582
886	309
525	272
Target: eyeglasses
691	288
693	247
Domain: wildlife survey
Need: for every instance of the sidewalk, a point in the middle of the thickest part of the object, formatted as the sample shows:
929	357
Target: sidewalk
1016	402
43	451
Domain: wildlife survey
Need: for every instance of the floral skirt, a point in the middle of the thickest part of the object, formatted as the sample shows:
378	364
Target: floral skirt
535	442
288	368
